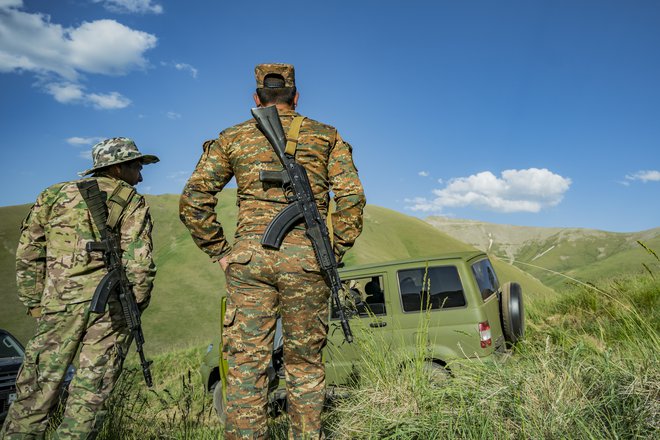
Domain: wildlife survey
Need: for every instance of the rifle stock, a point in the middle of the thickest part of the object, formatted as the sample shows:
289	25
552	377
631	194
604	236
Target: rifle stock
302	207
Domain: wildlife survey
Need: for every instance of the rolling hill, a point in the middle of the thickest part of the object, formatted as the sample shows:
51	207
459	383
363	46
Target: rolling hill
184	310
584	254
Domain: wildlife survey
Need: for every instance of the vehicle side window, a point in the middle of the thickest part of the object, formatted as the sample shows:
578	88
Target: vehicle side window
9	348
367	297
486	279
432	288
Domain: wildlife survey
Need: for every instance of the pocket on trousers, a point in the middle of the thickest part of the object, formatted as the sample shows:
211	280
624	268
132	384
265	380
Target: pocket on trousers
241	253
230	315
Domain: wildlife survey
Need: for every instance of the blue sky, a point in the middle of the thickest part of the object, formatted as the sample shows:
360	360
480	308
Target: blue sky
537	113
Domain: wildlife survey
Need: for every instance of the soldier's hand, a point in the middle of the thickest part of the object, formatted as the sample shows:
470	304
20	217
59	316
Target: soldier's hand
223	263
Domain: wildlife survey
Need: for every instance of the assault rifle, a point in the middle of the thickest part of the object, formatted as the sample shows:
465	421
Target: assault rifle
302	206
115	281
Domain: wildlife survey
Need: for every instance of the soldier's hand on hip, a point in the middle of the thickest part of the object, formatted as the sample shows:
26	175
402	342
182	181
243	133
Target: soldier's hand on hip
223	263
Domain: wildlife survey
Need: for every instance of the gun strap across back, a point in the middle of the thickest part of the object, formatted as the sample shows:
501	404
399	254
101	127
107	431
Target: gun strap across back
106	214
292	135
117	202
95	200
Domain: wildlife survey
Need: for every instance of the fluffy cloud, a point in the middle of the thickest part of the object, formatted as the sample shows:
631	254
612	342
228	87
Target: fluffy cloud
79	141
131	6
59	56
527	190
186	67
71	93
423	173
645	176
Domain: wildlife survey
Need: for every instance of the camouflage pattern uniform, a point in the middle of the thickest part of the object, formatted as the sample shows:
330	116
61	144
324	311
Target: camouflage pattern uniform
57	277
262	282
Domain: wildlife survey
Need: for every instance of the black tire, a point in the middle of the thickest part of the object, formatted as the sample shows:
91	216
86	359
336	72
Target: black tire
218	402
437	372
512	312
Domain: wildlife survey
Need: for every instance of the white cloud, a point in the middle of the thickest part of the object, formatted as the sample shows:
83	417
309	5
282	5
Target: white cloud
71	93
179	176
108	101
187	68
527	190
645	176
423	173
173	115
10	3
79	141
60	56
65	92
131	6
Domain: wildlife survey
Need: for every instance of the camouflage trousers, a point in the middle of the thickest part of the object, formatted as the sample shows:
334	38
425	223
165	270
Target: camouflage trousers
101	341
260	284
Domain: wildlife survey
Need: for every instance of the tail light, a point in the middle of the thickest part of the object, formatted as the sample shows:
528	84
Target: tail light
484	334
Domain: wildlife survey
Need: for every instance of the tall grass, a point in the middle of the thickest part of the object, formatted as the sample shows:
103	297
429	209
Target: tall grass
587	369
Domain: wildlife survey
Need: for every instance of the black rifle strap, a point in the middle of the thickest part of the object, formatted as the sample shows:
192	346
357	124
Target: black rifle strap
95	200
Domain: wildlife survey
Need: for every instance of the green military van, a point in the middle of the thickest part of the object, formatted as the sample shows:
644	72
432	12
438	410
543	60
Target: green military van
470	315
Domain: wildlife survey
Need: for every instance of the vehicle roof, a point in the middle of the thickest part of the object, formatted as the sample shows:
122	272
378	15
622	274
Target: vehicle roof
464	256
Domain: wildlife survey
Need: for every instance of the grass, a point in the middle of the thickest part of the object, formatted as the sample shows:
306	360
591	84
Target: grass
587	369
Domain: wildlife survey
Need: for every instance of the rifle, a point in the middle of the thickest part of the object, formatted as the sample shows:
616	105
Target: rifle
115	281
302	206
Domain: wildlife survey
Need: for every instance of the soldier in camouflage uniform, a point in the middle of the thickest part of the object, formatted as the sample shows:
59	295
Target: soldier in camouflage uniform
56	279
262	283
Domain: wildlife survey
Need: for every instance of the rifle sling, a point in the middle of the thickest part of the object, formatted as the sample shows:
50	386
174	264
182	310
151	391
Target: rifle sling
105	216
292	135
95	200
117	202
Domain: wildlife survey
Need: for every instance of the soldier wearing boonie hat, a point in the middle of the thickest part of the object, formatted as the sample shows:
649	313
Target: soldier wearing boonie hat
57	291
114	151
262	283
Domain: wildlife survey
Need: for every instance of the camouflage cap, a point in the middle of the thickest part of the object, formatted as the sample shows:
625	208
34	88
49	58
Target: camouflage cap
116	150
285	70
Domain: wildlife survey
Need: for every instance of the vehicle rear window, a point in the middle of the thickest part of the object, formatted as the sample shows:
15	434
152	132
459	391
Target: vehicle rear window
9	348
486	279
432	288
367	297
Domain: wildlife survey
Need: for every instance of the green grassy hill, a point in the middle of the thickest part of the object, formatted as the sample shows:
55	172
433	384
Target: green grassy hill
184	310
584	254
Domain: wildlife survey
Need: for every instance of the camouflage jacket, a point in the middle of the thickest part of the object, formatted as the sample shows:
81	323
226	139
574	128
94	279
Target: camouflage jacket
242	151
53	268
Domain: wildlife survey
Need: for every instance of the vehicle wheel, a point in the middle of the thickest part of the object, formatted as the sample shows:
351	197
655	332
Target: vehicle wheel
437	373
218	402
512	312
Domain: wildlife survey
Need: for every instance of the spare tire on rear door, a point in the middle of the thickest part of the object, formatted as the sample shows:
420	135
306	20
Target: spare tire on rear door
512	312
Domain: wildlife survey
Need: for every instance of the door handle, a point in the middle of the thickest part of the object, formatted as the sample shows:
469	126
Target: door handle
378	324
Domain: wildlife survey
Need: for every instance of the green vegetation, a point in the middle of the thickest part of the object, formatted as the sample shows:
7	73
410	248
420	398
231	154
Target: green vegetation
584	254
588	369
185	307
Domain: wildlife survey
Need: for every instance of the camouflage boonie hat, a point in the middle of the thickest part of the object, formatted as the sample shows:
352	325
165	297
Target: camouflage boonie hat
286	70
116	150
